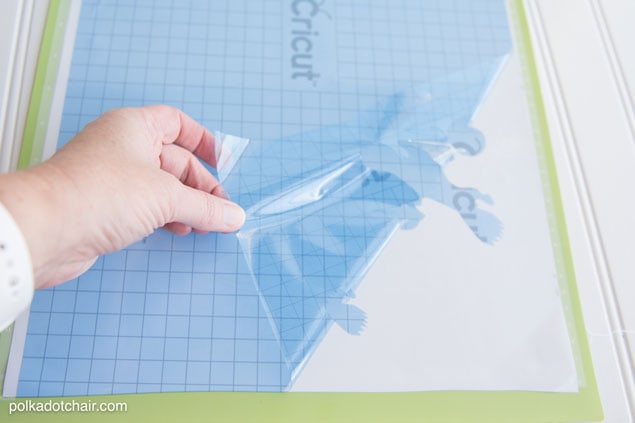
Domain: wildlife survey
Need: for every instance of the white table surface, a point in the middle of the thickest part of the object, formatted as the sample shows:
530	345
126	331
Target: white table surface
586	64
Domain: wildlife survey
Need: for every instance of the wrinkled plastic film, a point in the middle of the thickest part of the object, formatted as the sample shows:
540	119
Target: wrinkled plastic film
321	204
227	151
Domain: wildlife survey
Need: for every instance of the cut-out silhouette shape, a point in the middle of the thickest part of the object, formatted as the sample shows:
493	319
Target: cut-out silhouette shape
311	235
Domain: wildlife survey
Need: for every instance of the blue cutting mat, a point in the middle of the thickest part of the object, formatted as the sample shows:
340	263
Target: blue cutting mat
376	93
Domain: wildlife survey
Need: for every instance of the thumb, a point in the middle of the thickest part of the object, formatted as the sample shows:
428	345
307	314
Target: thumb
206	212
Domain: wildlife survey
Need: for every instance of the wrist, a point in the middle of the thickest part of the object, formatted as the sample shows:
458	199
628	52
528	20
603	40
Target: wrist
34	198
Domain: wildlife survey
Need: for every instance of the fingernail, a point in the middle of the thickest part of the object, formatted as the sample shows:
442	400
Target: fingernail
234	215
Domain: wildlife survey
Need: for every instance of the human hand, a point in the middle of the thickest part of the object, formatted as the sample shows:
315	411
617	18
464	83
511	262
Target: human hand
124	175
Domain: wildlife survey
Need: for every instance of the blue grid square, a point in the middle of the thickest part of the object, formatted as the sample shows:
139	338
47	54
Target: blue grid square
134	92
34	345
96	388
245	373
181	262
224	327
196	387
222	373
202	283
86	302
225	263
227	243
149	387
126	371
183	243
128	347
222	349
271	114
111	73
246	388
31	369
156	303
150	371
90	280
177	326
159	261
158	281
51	389
71	122
104	347
137	260
38	322
112	280
265	329
80	71
113	91
202	305
246	328
206	243
133	303
244	283
269	374
107	324
124	388
154	325
247	306
224	305
75	389
78	370
63	301
110	302
91	107
232	95
175	349
136	73
181	282
269	351
179	304
97	71
199	350
135	281
200	327
54	369
130	325
67	286
173	92
246	350
102	371
198	373
160	239
57	346
173	372
81	346
231	112
116	260
152	348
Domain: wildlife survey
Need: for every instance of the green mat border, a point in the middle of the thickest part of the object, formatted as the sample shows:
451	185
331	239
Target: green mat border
37	118
438	406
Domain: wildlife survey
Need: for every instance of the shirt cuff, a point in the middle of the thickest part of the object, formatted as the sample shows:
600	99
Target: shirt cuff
16	270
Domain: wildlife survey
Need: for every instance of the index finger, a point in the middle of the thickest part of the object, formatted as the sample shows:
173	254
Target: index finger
172	125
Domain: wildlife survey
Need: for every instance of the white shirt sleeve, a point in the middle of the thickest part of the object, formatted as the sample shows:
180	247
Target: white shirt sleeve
16	271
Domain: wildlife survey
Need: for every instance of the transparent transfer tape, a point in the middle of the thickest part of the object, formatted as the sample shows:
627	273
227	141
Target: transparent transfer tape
313	230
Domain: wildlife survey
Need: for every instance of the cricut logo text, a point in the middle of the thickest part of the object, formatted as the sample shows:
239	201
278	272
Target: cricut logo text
304	37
